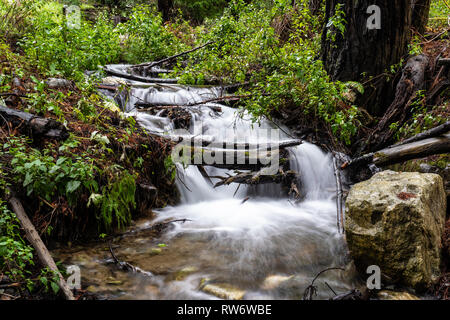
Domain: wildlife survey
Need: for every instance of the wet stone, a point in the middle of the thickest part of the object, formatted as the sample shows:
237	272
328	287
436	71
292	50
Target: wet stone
221	290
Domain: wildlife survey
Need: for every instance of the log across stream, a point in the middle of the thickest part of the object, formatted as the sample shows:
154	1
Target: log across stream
228	240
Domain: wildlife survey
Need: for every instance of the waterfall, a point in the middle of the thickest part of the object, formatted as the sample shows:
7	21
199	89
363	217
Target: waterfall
241	242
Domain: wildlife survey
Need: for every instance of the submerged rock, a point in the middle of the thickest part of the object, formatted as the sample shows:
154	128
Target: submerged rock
221	290
274	281
182	274
396	295
395	221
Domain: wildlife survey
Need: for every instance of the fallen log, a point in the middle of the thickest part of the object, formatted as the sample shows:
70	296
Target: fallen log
253	159
220	99
436	131
33	237
156	63
444	61
404	152
37	126
253	178
206	141
137	78
145	106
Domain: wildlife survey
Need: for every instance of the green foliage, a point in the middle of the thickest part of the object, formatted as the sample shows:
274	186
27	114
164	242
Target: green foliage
283	74
421	119
439	14
60	50
14	17
49	277
146	38
415	47
41	101
44	176
15	255
336	22
117	199
170	167
198	10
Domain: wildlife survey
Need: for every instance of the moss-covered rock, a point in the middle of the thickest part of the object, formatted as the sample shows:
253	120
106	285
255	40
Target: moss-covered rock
396	220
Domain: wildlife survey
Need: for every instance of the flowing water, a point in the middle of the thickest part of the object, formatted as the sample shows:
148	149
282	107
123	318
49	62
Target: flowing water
268	247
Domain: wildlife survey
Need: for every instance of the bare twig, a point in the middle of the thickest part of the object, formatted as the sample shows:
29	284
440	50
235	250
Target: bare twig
156	63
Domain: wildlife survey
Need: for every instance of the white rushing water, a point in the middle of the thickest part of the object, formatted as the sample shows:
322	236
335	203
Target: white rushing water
269	235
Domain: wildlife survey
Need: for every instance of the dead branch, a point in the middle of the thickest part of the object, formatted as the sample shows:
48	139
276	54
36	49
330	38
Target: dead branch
137	78
125	266
156	63
340	214
38	127
238	159
43	254
436	131
253	178
311	290
412	80
444	61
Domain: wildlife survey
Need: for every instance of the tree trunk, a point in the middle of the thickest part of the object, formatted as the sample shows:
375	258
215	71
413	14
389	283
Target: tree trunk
360	52
165	7
421	11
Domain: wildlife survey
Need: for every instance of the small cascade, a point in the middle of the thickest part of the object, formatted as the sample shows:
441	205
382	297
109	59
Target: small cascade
237	234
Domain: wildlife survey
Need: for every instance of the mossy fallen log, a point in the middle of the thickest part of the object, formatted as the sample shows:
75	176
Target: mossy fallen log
404	152
237	159
36	127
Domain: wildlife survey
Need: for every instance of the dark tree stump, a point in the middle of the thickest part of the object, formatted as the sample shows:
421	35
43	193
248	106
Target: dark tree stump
361	52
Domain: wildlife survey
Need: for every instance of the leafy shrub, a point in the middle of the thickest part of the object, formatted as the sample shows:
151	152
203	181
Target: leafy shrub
439	13
282	74
117	200
15	255
14	17
60	50
146	38
198	10
42	176
72	175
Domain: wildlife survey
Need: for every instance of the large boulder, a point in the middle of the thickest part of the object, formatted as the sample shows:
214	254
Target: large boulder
395	221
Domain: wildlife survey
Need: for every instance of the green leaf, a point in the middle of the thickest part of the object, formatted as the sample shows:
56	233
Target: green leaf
44	281
55	287
72	186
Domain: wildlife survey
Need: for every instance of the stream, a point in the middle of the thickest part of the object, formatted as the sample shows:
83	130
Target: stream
267	247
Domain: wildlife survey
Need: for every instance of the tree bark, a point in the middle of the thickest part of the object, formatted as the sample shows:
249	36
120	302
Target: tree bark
360	53
421	12
411	82
36	127
165	7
